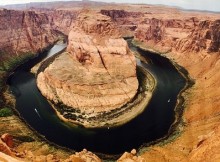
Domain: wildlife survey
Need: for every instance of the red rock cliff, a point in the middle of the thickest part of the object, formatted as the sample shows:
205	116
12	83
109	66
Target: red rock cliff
127	21
190	35
62	20
192	42
24	32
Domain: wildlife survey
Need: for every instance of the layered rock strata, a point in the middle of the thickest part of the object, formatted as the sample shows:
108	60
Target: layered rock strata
23	35
126	21
200	139
190	35
24	32
61	21
97	73
194	44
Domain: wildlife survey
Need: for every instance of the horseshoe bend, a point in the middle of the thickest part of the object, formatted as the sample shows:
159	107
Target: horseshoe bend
98	81
95	75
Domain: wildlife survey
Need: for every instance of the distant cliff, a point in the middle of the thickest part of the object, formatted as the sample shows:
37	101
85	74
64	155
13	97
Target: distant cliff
115	14
60	20
127	21
190	35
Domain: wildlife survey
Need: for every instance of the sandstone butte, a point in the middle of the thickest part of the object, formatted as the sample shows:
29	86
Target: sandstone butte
190	39
97	73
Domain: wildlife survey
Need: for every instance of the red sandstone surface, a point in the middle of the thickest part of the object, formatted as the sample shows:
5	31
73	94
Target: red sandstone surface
93	74
192	40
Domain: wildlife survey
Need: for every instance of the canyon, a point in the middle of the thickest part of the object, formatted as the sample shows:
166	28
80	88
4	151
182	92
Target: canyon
23	33
190	39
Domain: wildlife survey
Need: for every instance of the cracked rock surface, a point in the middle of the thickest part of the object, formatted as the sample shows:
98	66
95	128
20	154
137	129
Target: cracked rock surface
96	73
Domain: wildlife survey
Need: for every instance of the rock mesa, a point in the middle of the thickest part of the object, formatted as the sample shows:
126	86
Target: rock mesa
97	72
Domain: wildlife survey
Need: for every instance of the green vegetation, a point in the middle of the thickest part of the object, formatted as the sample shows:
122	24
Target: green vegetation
10	63
5	112
7	64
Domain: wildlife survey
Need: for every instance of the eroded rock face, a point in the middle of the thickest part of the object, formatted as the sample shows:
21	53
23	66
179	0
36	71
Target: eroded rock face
194	44
61	20
131	157
200	138
115	14
190	35
127	21
84	156
98	71
24	32
6	143
4	148
8	139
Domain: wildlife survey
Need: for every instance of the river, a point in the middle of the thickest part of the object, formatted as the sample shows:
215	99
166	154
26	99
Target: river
152	124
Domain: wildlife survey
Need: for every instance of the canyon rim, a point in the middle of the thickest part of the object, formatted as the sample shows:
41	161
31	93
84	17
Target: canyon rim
188	38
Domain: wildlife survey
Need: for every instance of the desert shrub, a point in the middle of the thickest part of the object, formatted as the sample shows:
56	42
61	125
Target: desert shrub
5	112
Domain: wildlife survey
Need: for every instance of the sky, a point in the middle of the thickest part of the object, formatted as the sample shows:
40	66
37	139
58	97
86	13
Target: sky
211	5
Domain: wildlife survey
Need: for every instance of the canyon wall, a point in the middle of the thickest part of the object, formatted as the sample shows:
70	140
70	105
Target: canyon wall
23	32
62	21
29	32
126	21
192	42
190	39
26	33
190	35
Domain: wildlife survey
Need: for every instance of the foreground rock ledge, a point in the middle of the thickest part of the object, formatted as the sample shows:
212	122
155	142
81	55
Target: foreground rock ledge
97	73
